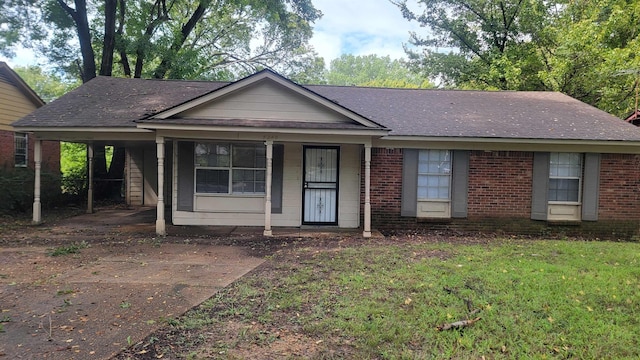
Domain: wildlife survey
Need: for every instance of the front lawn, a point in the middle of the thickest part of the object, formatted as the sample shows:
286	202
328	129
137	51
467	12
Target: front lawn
535	299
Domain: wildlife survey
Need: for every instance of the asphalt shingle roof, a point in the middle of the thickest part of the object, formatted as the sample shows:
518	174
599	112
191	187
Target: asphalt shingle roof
117	102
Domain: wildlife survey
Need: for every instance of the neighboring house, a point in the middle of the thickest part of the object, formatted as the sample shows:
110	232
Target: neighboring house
17	99
264	151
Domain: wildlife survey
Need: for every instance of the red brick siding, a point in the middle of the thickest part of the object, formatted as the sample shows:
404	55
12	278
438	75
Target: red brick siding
500	184
50	153
499	197
6	149
619	196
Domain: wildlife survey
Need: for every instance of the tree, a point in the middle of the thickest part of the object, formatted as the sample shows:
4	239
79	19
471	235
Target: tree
49	86
374	71
596	55
163	39
492	44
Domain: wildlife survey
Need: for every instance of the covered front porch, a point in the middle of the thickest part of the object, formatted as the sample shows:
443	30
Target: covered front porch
316	184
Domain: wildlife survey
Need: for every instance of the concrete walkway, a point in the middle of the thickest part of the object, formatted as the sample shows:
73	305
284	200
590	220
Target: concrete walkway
93	304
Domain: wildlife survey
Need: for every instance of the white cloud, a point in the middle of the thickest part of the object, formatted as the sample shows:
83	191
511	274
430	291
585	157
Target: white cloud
360	27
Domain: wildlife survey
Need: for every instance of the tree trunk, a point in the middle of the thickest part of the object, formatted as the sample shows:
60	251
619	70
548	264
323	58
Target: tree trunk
109	42
124	59
79	16
178	41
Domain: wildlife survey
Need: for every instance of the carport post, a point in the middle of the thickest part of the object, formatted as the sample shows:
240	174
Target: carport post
160	223
90	176
267	202
367	191
37	159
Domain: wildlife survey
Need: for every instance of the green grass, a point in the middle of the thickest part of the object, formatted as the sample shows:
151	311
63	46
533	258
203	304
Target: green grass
536	299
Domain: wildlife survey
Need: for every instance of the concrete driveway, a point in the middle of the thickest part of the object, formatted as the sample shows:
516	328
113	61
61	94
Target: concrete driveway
93	304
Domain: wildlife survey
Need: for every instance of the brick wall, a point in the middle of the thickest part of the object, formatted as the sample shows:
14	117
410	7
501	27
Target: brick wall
499	197
619	196
6	149
500	184
50	153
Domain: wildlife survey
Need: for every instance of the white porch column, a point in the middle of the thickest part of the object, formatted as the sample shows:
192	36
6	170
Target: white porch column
90	176
267	202
160	223
367	191
37	158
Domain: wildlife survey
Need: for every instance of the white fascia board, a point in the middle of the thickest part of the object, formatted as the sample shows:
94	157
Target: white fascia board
240	129
257	78
83	129
507	144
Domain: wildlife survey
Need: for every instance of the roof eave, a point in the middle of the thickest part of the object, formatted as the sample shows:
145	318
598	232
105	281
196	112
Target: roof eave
179	127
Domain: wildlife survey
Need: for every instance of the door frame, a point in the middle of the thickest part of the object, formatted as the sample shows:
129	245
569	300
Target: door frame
337	189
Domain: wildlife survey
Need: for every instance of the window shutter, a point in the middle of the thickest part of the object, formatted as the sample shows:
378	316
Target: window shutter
185	175
277	167
409	205
540	186
590	187
459	183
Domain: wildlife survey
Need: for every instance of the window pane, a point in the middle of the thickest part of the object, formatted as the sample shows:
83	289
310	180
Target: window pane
212	154
434	169
212	181
20	149
564	189
248	181
249	156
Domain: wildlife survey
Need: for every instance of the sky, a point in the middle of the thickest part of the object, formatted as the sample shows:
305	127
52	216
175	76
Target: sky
357	27
360	27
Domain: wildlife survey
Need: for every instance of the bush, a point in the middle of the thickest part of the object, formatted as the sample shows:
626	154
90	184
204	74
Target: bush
17	194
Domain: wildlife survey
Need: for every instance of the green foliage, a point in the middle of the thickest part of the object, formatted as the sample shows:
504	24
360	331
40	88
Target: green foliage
596	58
374	71
68	249
219	40
49	86
487	44
19	185
586	49
73	166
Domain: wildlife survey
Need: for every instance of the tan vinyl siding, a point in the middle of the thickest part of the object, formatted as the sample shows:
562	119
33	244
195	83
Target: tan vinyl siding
349	192
13	104
265	101
135	181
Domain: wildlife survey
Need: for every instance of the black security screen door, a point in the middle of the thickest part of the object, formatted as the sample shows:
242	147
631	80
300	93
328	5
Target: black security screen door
320	193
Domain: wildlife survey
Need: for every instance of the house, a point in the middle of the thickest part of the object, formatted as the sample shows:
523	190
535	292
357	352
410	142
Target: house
17	99
265	151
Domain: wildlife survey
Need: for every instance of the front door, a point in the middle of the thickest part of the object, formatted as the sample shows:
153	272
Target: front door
320	189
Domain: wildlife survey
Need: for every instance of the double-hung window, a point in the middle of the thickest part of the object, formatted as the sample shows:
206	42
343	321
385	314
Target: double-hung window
21	149
565	177
230	168
434	175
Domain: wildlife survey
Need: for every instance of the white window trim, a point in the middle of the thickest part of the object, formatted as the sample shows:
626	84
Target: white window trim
449	175
579	202
24	136
230	169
